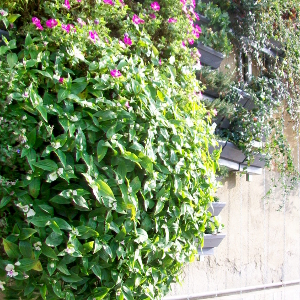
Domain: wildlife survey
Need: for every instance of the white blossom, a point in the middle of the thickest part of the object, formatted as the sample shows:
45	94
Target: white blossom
17	263
31	213
2	285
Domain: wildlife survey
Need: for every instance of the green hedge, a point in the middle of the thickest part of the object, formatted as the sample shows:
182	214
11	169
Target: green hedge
104	155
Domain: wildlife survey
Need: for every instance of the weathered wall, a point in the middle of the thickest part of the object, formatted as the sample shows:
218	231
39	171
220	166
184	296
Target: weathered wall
262	244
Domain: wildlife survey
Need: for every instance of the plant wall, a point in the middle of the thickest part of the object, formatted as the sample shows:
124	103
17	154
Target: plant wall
105	173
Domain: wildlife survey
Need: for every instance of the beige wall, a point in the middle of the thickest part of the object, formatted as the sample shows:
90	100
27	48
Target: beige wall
262	244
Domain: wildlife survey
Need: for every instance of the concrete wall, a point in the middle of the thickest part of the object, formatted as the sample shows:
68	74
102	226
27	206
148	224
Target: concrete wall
262	244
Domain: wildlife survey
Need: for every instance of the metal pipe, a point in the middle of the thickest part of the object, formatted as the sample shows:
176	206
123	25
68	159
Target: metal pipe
231	292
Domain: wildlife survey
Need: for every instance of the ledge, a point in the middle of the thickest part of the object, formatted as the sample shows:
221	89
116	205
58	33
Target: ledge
209	56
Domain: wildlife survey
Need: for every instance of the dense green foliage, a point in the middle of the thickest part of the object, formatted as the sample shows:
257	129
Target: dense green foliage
104	156
266	34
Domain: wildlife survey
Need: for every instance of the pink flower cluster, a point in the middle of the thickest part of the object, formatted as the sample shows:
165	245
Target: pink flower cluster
137	20
93	36
110	2
127	40
155	6
115	73
37	23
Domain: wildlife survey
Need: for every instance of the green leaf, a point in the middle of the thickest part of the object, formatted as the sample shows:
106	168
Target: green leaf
136	86
51	267
97	271
49	252
135	185
160	95
101	150
128	293
80	201
13	18
159	207
42	110
104	189
28	40
78	87
28	264
47	165
71	278
47	208
100	293
62	94
60	200
26	233
64	225
32	138
131	156
4	201
11	249
142	235
12	59
88	247
54	239
62	157
25	249
3	50
39	221
34	187
63	268
29	288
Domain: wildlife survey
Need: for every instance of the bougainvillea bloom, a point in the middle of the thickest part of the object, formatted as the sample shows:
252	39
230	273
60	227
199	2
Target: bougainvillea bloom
152	16
51	23
67	4
67	27
115	73
172	20
108	2
36	20
191	41
198	28
137	20
127	40
93	36
155	6
81	22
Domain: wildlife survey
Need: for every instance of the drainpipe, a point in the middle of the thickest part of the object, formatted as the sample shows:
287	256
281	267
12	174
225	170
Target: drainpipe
231	292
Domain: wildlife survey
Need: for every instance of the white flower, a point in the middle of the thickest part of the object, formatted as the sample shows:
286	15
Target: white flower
25	276
74	193
120	181
52	176
2	285
17	263
31	213
52	265
37	246
9	267
60	171
70	250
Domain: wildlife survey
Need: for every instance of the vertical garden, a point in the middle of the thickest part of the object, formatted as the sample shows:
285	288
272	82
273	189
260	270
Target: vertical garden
105	171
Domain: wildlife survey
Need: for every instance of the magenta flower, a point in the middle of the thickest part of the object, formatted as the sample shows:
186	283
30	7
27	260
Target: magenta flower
196	16
78	1
96	22
160	62
172	20
67	27
183	2
215	112
183	44
108	2
152	16
93	36
67	4
115	73
191	41
127	104
137	20
36	21
122	45
122	2
198	28
51	23
194	3
81	22
61	80
195	33
127	40
155	6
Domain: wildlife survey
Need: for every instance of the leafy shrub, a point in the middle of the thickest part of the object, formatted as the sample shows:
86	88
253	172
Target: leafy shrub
104	161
